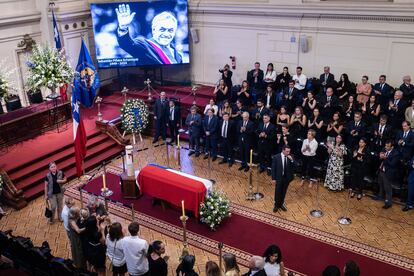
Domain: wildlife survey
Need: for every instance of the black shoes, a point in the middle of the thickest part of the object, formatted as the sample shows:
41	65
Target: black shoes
386	206
214	158
191	153
230	164
283	208
242	168
197	154
223	162
275	209
407	208
205	156
247	168
261	170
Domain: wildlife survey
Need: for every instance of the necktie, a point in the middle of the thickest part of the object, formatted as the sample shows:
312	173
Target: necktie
265	127
329	99
244	123
382	86
209	120
326	77
172	114
381	130
405	135
356	124
284	165
225	129
192	117
290	91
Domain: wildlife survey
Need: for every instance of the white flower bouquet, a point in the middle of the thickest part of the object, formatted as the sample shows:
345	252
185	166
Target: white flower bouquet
134	116
214	209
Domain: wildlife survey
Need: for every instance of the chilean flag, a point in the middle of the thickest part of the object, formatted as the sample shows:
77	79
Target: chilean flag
86	83
56	35
79	135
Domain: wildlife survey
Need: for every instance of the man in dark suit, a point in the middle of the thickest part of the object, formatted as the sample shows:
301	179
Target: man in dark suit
326	79
259	111
381	132
227	132
174	117
256	267
291	96
409	205
245	130
282	175
405	141
160	117
329	103
388	172
407	88
255	80
355	130
210	124
396	110
265	132
194	124
383	91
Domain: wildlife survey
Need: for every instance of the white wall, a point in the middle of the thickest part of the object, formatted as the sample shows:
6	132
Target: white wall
354	38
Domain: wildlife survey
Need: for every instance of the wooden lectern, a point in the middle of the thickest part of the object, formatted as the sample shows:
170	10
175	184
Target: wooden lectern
129	187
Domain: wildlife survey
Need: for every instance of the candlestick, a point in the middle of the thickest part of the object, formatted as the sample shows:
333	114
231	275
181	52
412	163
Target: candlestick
104	181
182	207
178	141
251	157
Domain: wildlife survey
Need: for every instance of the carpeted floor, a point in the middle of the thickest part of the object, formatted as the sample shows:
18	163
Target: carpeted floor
249	232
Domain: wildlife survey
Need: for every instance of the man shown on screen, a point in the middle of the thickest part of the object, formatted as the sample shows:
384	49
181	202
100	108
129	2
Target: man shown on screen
156	50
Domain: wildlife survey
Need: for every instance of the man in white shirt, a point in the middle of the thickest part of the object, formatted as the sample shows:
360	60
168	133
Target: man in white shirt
300	79
135	251
65	213
309	147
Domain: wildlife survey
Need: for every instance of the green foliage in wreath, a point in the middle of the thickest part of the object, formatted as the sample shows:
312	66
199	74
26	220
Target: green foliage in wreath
134	116
214	209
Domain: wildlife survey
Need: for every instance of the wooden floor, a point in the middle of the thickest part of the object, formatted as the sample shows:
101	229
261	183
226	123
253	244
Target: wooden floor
391	229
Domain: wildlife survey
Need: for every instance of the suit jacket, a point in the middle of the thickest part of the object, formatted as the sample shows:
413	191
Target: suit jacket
329	81
258	273
397	116
409	116
176	114
406	149
386	134
324	100
246	136
250	79
161	110
270	132
277	168
195	128
360	129
272	99
212	126
231	131
408	91
386	93
391	164
259	114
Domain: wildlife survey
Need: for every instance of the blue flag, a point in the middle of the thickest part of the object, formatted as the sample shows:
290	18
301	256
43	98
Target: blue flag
86	81
56	32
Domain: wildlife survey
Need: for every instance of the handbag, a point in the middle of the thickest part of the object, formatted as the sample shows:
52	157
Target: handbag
48	211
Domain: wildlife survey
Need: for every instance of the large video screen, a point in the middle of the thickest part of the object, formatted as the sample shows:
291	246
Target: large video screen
141	33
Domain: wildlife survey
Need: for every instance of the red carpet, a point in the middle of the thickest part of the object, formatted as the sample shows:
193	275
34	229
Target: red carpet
308	255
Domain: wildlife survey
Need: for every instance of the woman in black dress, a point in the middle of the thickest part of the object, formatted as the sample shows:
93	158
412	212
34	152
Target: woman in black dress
282	119
226	75
350	107
186	267
371	111
298	123
157	264
344	88
221	92
95	249
244	94
309	104
334	128
358	168
282	80
315	122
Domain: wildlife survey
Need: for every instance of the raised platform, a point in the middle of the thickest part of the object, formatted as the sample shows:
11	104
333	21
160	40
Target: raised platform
27	162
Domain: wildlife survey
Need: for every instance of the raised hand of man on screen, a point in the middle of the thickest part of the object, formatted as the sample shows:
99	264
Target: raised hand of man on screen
124	16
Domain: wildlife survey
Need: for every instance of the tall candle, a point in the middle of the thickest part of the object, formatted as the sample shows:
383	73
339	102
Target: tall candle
182	207
104	181
251	157
178	141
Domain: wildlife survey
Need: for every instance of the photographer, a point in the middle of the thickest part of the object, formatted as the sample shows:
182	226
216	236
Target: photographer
226	75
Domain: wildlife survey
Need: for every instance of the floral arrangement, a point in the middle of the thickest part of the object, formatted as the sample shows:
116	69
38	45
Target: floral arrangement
48	67
6	84
214	209
134	116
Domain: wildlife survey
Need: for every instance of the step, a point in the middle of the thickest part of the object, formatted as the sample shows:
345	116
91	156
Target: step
38	190
58	158
38	176
42	157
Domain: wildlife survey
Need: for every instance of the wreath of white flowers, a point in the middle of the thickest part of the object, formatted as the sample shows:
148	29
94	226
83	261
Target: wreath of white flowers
134	116
214	209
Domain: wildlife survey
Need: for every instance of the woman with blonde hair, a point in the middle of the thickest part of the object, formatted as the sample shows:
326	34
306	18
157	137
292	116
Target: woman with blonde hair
75	240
